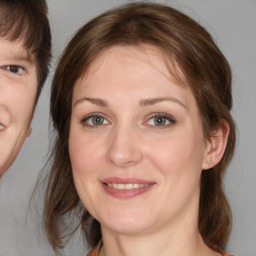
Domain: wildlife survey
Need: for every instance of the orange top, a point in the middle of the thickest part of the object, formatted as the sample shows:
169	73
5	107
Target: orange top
225	254
96	251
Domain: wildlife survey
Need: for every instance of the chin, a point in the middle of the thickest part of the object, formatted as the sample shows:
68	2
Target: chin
128	224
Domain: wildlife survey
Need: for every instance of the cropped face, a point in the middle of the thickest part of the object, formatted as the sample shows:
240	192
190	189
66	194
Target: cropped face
18	86
136	143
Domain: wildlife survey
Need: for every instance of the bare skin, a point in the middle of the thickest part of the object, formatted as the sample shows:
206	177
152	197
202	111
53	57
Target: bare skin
137	151
18	86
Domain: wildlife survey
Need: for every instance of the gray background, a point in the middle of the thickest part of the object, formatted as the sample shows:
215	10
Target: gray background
233	24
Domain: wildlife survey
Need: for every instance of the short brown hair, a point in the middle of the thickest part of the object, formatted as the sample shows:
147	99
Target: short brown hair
26	20
189	48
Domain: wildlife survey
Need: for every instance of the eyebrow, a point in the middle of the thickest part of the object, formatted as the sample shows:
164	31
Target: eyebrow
149	102
98	102
143	102
19	56
22	57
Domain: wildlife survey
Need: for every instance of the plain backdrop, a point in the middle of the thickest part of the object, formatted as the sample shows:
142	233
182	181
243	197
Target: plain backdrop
233	25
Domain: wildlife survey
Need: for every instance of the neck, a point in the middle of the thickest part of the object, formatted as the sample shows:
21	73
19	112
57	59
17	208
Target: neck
168	243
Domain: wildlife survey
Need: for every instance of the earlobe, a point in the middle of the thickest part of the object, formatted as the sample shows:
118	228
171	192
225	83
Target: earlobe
29	132
216	145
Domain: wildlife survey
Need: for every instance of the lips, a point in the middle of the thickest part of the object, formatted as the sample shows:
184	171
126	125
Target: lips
125	188
1	127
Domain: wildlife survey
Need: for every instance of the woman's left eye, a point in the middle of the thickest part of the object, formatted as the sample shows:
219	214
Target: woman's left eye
161	120
14	69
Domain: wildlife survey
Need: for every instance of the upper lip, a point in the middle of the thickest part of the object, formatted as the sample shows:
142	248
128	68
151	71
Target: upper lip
118	180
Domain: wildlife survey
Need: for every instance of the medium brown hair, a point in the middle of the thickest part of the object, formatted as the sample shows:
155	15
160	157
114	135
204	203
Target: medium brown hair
26	20
189	48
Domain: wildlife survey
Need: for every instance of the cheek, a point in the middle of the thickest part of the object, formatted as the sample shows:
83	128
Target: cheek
85	153
20	102
179	163
23	106
85	160
178	155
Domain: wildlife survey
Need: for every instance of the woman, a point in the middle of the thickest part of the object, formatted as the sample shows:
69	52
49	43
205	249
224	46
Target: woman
141	102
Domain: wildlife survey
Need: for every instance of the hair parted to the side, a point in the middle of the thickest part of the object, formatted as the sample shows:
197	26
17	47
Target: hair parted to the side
189	48
26	20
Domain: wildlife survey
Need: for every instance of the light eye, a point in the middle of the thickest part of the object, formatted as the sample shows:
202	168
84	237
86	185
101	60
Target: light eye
14	69
161	120
94	120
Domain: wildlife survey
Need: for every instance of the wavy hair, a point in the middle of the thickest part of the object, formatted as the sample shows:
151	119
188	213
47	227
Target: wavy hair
189	48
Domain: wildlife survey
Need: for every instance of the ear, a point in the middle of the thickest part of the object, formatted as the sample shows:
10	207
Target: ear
29	132
216	145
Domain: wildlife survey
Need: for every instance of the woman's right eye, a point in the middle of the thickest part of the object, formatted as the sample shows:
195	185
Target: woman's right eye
95	120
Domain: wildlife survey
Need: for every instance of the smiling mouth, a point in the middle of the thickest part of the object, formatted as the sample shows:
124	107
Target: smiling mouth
121	186
126	190
1	127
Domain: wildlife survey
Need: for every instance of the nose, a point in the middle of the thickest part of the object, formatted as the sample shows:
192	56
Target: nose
5	115
124	147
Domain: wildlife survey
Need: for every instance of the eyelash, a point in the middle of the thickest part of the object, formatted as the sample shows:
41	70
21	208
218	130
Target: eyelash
10	67
163	116
85	120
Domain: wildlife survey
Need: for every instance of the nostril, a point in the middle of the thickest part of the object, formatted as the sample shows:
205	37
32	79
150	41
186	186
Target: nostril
125	159
1	127
5	117
124	149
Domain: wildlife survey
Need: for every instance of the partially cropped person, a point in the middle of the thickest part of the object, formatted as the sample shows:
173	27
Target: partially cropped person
25	53
141	102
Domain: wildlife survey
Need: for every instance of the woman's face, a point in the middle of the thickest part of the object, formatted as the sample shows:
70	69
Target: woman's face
136	143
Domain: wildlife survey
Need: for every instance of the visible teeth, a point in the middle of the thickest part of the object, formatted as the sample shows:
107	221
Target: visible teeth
1	127
127	186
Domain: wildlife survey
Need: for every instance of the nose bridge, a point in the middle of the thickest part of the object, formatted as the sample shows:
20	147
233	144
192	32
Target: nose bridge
124	149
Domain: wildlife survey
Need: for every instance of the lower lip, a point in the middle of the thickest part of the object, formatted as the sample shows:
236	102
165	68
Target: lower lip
126	193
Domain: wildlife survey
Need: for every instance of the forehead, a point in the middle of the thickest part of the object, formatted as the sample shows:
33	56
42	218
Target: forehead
124	55
130	70
15	49
154	60
143	52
